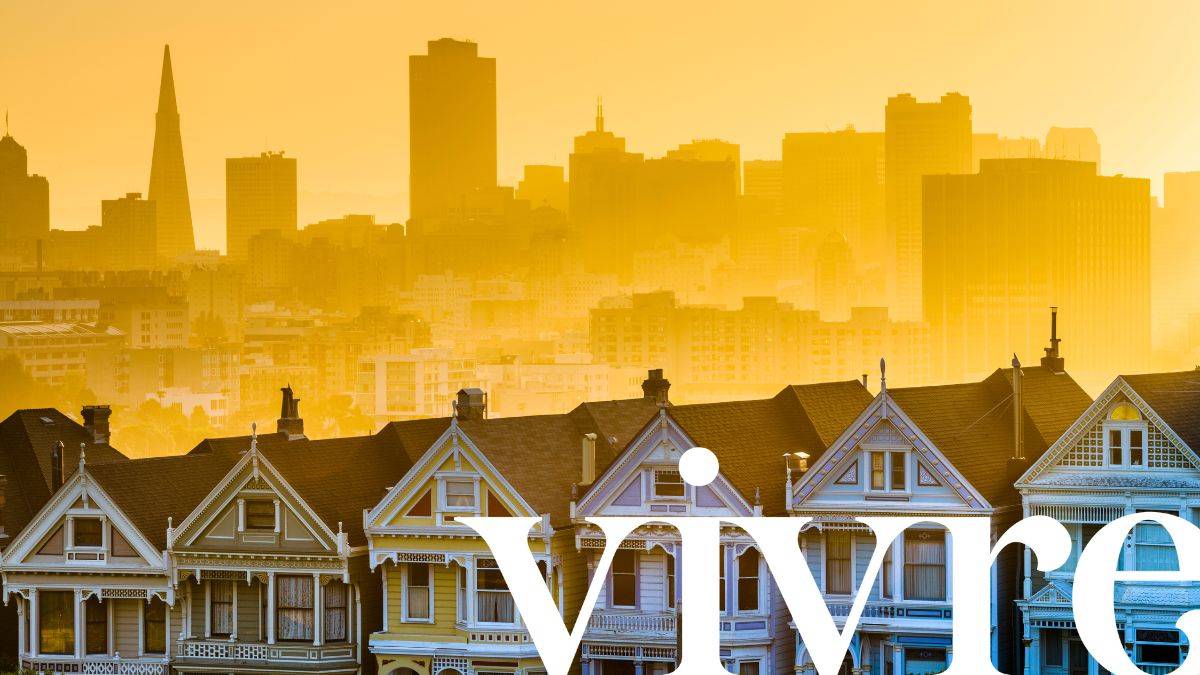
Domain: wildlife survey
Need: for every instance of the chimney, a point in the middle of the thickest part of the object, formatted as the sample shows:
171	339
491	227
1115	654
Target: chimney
95	420
655	387
589	459
1052	361
1017	464
290	422
57	455
471	404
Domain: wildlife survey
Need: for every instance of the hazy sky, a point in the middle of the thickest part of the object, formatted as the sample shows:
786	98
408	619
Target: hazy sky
327	82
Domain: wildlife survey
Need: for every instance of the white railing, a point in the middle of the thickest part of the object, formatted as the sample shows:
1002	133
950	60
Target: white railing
257	651
893	610
632	623
97	665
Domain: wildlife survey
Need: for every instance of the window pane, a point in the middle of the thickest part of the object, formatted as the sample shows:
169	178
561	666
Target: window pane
460	493
1135	447
877	471
748	668
97	627
418	591
925	565
88	532
294	602
624	579
668	483
1114	447
899	472
1052	654
56	612
837	563
221	610
748	581
334	595
156	626
260	515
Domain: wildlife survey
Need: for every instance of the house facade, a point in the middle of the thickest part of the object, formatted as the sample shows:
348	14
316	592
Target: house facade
1131	451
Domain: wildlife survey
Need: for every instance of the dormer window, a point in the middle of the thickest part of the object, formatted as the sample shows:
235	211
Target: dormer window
260	515
88	533
460	495
668	483
887	471
1125	436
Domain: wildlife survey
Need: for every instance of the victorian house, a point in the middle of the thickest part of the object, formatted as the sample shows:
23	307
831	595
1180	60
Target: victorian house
447	608
1133	450
942	452
633	629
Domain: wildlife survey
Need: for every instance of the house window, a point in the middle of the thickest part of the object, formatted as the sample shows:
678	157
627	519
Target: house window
462	594
260	515
56	617
747	588
294	607
837	563
1052	647
886	582
721	569
416	592
889	471
624	579
96	617
334	595
670	559
493	602
748	668
88	532
220	610
1154	647
1154	550
460	495
154	620
925	565
1125	434
667	483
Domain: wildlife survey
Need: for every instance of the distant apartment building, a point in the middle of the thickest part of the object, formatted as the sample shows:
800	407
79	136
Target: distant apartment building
126	376
129	232
544	185
762	179
260	195
518	388
410	386
1004	245
148	317
50	311
452	126
920	139
49	352
732	352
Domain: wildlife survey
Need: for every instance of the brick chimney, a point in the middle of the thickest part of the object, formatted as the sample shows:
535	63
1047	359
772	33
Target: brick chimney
290	422
95	420
471	404
655	387
1053	361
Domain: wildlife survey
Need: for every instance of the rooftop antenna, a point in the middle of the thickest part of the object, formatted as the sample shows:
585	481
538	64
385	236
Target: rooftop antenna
7	128
599	113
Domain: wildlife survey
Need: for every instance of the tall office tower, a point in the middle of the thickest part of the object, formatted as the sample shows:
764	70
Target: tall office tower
833	182
605	182
692	200
712	150
995	146
260	195
1175	250
920	139
1004	245
24	199
130	232
763	180
544	185
1075	143
168	180
452	126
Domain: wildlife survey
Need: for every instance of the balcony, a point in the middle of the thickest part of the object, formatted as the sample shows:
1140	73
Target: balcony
661	625
336	656
893	612
101	665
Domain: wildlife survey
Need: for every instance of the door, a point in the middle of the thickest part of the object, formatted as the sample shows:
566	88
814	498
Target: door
1077	658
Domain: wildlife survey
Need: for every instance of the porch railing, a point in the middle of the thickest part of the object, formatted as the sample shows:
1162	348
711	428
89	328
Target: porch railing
97	665
632	623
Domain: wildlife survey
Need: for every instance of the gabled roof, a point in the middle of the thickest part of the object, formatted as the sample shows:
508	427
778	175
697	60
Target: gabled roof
27	438
972	423
1176	399
749	438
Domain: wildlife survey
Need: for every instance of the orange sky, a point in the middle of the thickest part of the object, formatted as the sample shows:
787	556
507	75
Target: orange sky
330	85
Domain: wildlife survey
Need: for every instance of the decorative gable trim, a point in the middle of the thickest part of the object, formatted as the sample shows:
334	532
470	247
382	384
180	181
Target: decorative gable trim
1095	415
885	408
1052	594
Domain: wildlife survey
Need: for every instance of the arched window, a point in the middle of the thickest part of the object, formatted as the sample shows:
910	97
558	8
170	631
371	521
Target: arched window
747	588
1125	412
1125	436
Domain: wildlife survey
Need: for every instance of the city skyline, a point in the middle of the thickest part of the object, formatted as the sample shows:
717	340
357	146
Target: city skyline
353	157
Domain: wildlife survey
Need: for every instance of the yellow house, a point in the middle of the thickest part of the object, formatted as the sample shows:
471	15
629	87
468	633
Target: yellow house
447	609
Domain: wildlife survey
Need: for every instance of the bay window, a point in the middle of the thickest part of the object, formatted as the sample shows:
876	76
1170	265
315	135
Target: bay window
154	627
493	602
294	607
335	595
925	565
624	579
1154	550
747	588
220	608
56	622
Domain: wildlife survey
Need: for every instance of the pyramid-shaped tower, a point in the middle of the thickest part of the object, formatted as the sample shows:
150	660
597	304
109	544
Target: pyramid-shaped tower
168	181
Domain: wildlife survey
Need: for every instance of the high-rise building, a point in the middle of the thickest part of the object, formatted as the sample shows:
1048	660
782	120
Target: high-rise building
24	199
1175	250
995	146
712	150
1004	245
833	183
452	126
130	231
544	185
763	180
168	180
260	195
1075	143
920	139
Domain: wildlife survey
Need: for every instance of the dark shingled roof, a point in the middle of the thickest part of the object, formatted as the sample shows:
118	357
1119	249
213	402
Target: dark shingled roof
749	438
1176	398
972	423
26	440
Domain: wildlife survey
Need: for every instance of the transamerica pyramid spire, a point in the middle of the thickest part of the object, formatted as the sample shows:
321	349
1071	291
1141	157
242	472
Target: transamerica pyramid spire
168	180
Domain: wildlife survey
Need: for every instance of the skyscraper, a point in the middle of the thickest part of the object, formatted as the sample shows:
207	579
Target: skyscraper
452	126
833	183
544	185
1004	245
920	139
1075	143
260	195
168	180
1175	250
712	150
24	199
130	233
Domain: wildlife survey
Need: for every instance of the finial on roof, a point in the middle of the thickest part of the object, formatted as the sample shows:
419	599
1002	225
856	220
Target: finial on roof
254	447
82	456
757	497
882	375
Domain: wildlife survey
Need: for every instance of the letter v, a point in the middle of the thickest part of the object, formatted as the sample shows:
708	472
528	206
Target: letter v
508	538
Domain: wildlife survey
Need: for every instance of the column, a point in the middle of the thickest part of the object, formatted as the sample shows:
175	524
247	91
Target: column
35	625
21	627
80	624
897	660
270	608
319	612
166	631
637	668
585	665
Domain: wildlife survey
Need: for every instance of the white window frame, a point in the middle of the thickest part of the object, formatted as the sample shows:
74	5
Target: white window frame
404	595
475	569
889	454
1125	427
70	550
446	478
654	471
637	581
761	598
